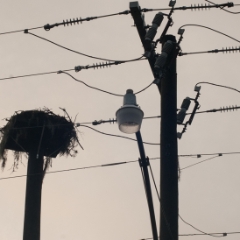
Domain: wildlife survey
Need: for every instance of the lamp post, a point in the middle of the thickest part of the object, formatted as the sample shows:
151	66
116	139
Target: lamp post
129	118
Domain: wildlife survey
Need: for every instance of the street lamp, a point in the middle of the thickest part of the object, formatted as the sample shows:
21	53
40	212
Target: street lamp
129	118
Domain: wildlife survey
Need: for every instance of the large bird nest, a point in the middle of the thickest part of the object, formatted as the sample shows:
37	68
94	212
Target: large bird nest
38	131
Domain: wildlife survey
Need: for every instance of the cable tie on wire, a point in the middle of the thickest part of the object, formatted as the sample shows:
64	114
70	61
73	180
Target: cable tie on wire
59	72
25	30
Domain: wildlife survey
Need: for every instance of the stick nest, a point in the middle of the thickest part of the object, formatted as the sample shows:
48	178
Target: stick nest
39	131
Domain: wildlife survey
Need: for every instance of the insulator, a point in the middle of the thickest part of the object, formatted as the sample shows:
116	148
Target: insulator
181	116
72	21
112	120
167	47
200	7
236	49
186	103
153	30
161	60
101	65
231	108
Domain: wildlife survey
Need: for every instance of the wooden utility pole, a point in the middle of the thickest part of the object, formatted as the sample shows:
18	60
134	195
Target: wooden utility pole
167	85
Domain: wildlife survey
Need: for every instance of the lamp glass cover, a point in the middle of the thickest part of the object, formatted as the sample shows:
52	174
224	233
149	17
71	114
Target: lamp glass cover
129	119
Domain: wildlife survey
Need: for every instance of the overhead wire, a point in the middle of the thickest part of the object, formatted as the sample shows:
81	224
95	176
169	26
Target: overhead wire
34	74
192	7
218	85
198	25
17	31
119	136
209	234
224	234
67	70
223	109
80	53
101	90
162	210
120	163
224	50
223	8
206	154
192	165
70	22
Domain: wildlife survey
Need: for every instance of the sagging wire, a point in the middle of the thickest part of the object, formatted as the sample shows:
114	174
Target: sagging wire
77	52
218	85
101	90
113	135
181	31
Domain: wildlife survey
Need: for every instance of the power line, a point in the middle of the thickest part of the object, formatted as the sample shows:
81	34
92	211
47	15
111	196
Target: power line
209	234
95	122
101	90
218	85
77	69
80	53
224	234
223	8
162	210
231	50
120	163
197	25
192	7
208	159
73	21
17	31
34	74
119	136
74	169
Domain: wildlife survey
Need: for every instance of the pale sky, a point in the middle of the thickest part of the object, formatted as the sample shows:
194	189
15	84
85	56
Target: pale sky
109	203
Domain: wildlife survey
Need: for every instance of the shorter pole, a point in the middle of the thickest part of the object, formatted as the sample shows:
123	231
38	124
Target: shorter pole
144	162
32	217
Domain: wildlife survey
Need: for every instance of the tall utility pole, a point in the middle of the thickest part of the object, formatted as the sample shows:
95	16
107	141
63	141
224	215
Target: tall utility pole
167	85
169	149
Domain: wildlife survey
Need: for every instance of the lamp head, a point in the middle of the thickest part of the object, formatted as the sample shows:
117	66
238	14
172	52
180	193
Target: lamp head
129	116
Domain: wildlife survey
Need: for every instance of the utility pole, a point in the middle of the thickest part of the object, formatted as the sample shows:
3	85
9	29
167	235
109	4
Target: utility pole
169	149
32	219
167	85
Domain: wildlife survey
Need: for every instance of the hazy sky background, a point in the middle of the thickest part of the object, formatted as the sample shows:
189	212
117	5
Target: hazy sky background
109	202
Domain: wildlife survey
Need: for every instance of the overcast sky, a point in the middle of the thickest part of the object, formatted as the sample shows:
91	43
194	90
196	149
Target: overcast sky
109	202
